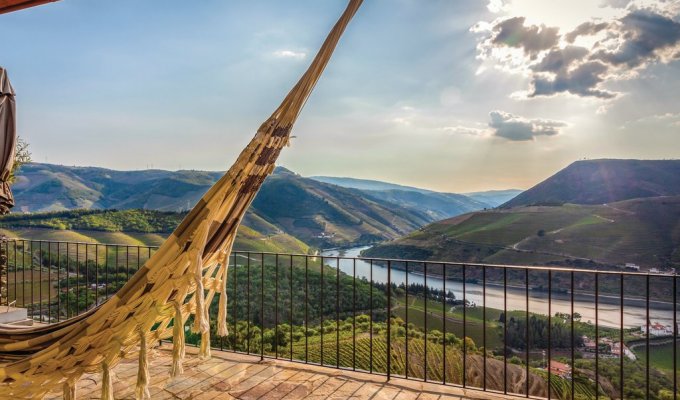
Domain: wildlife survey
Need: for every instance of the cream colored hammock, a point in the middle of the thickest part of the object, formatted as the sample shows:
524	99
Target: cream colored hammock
180	279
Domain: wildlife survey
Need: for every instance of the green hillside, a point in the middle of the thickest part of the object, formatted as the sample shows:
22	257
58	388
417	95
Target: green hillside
136	228
641	231
48	187
326	215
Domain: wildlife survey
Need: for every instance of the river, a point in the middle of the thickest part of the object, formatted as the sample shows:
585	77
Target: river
608	309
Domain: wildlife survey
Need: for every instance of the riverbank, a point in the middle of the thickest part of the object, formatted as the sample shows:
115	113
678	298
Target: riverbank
494	295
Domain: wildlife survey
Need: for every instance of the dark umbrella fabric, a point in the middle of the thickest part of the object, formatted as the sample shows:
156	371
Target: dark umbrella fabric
8	139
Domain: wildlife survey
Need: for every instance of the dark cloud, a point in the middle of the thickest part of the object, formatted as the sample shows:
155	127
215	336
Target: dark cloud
624	46
533	39
516	128
642	35
585	29
561	59
581	81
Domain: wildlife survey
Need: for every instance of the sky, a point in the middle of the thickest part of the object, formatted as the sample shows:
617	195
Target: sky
451	95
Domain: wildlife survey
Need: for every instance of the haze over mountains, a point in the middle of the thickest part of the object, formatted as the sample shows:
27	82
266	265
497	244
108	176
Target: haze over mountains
486	199
600	212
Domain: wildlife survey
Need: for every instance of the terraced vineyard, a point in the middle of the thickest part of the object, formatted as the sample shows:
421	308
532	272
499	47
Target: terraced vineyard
371	355
438	359
641	231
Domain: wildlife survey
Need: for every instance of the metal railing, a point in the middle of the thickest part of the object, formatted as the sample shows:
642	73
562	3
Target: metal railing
516	330
56	280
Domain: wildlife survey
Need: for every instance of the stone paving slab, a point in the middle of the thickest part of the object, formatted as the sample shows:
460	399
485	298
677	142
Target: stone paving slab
236	376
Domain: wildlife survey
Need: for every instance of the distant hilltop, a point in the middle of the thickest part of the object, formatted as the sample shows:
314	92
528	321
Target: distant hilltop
604	181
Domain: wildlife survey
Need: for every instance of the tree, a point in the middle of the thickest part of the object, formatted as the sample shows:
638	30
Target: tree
22	156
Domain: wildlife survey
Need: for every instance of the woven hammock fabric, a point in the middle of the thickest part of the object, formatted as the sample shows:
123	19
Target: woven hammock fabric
179	280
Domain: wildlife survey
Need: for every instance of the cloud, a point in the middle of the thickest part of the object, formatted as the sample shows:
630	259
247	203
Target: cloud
581	62
467	130
517	128
667	119
585	29
297	55
583	80
639	38
496	6
533	39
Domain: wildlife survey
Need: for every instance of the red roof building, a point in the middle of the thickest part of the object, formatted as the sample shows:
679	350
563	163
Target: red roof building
560	369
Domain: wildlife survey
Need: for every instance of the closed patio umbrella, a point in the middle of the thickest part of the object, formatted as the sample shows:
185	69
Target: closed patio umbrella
8	139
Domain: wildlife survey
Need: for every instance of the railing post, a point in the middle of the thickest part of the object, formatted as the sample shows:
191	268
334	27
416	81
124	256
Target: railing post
389	322
550	332
426	294
675	338
262	306
249	318
306	309
406	315
337	312
3	270
464	270
621	342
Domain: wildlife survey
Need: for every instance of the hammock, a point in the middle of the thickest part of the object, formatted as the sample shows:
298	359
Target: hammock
179	280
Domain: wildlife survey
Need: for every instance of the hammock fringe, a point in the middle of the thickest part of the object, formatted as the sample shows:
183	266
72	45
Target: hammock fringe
142	390
178	349
204	349
70	389
222	329
107	382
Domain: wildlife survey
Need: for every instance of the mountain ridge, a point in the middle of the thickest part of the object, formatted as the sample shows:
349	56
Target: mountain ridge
488	198
332	216
603	181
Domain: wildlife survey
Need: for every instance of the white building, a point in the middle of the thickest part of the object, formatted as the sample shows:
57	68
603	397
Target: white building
657	329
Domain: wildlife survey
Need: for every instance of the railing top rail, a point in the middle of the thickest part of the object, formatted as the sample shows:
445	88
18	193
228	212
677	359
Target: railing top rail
390	260
461	264
79	242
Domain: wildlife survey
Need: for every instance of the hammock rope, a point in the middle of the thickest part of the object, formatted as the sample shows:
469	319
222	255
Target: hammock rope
179	280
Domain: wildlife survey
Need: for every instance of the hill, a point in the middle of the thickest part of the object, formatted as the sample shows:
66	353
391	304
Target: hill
48	187
436	204
644	231
136	228
327	215
604	181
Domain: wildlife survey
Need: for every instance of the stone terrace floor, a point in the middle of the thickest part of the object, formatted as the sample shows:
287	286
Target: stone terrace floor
234	376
